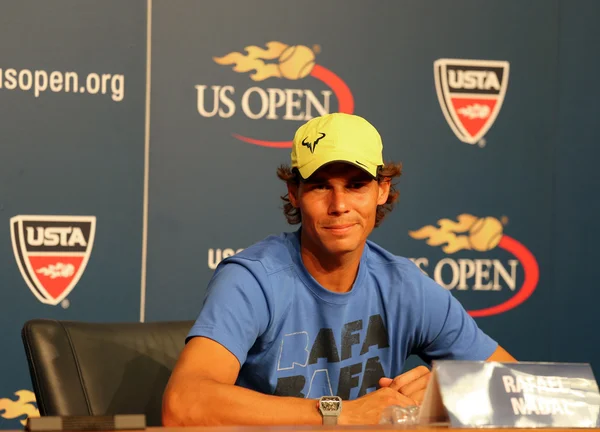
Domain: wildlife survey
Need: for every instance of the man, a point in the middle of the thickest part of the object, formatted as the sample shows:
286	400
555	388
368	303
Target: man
322	311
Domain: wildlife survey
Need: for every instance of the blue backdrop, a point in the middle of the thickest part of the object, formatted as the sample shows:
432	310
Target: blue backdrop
79	140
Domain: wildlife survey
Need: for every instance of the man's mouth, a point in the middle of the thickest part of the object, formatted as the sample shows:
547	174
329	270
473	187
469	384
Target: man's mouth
339	228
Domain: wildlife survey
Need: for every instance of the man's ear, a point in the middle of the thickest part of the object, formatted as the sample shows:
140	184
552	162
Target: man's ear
384	191
293	194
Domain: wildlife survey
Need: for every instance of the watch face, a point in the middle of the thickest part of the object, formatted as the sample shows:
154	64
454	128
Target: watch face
330	403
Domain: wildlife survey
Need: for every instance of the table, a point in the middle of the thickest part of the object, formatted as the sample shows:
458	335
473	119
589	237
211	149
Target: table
337	428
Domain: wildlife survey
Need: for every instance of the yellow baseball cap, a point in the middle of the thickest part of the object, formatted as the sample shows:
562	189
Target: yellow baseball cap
337	137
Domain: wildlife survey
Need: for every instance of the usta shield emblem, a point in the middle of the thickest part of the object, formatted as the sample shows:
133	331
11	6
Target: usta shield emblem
470	93
52	252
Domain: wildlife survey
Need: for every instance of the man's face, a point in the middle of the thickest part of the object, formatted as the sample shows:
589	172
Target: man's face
338	205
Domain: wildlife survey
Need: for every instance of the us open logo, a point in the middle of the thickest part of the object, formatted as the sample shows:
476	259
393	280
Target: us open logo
491	283
470	93
52	252
284	63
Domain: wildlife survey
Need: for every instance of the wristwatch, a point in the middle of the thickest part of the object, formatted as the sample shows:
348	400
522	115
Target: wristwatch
330	408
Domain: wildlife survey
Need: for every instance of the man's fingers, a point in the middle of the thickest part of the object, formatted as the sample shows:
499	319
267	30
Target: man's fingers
416	386
402	400
385	382
418	397
408	377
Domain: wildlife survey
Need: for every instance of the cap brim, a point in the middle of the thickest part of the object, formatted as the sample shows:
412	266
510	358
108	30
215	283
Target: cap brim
309	169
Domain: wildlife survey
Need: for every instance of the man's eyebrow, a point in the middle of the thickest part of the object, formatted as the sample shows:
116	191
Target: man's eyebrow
358	178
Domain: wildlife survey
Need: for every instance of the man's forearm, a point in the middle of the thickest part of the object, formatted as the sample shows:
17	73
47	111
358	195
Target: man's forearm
214	404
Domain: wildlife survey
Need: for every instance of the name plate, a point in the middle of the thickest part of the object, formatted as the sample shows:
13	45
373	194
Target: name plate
489	394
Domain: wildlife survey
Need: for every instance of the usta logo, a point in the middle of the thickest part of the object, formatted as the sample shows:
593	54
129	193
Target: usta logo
278	61
470	93
52	252
63	236
482	80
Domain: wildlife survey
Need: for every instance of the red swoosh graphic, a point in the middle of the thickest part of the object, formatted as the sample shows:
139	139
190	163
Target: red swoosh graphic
339	87
335	83
532	276
273	144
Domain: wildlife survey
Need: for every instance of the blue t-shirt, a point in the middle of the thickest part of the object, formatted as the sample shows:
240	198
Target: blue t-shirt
295	338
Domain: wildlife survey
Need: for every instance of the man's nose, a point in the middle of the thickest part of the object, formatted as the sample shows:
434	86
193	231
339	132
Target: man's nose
338	201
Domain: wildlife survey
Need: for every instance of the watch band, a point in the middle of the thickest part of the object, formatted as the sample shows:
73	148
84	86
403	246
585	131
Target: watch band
329	420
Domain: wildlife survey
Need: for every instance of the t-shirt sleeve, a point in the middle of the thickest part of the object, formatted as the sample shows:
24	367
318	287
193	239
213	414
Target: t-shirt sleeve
448	331
235	311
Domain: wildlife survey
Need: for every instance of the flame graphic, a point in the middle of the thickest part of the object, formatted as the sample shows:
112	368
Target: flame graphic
475	111
480	234
293	62
59	270
24	405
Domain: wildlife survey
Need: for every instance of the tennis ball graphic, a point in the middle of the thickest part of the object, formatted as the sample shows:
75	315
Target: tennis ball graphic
296	62
485	234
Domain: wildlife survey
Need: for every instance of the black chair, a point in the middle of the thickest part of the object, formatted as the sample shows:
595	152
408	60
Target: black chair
87	369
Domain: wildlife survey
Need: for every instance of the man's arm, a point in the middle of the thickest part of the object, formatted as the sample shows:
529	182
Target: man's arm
202	391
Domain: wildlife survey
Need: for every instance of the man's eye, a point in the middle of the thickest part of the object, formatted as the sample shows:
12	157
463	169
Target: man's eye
357	185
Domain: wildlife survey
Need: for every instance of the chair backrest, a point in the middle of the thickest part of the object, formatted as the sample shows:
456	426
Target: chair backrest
80	368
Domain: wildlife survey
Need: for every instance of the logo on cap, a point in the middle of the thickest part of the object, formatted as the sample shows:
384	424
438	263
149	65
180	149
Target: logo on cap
52	252
470	93
311	145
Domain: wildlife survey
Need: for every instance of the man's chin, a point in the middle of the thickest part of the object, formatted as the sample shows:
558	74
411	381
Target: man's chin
341	246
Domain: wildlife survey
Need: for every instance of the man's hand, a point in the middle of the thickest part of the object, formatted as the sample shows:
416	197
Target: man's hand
411	384
368	408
